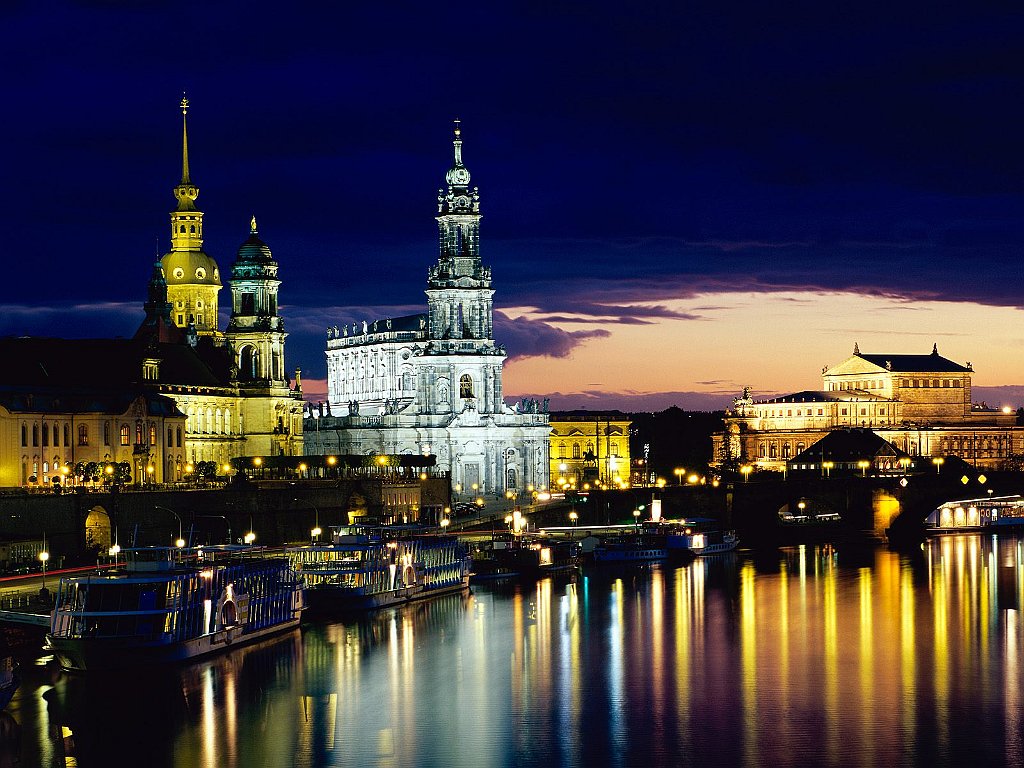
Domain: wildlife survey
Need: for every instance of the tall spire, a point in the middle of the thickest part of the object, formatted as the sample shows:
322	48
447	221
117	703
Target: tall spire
184	140
186	192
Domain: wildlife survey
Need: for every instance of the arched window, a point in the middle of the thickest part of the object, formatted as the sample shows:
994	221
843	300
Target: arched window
126	435
138	433
613	449
35	434
761	450
227	422
56	434
67	435
152	434
466	386
182	230
192	229
575	450
83	434
785	450
178	436
170	439
24	434
247	362
561	450
46	435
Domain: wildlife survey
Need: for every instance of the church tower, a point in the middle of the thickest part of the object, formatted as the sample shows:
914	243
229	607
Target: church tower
193	279
459	295
256	332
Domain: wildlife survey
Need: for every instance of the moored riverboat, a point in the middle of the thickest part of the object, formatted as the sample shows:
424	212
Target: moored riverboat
524	556
364	568
992	513
643	548
168	604
699	537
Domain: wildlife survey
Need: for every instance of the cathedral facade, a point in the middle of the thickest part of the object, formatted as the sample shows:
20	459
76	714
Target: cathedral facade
431	383
921	404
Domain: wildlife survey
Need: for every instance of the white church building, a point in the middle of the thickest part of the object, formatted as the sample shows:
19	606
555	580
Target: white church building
431	383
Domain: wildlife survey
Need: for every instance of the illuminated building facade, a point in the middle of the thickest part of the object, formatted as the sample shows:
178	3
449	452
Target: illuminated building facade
231	386
921	404
432	383
589	448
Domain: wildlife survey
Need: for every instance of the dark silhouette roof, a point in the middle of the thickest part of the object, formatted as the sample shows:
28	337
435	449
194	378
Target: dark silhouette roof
847	445
109	364
916	363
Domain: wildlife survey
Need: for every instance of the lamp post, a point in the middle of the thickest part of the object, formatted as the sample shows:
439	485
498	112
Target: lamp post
938	461
573	518
44	555
827	467
745	470
679	472
636	520
863	465
179	542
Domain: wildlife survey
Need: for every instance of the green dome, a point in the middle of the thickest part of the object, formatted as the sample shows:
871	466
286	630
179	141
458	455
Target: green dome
190	268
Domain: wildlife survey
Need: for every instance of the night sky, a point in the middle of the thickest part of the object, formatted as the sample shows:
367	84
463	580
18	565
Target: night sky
679	199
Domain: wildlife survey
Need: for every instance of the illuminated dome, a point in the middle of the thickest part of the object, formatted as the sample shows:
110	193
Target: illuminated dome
190	268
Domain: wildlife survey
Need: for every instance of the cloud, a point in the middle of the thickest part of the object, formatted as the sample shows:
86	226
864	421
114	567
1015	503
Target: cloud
633	401
536	338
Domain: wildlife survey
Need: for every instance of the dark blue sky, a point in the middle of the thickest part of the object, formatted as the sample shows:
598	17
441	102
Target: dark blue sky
624	152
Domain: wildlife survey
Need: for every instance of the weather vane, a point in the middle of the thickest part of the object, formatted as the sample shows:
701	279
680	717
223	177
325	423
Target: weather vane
458	130
184	104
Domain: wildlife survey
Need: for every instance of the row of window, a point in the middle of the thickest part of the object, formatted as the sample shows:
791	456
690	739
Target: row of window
613	449
44	431
937	383
844	411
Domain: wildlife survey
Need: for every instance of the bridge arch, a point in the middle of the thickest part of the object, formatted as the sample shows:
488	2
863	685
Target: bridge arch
97	530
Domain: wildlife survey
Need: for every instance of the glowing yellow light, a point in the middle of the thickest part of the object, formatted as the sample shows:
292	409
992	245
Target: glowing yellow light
226	469
302	467
692	479
179	543
316	531
257	461
250	537
188	469
149	469
331	460
44	555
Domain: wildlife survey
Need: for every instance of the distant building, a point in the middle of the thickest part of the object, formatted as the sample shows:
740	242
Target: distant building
590	447
921	404
431	383
179	393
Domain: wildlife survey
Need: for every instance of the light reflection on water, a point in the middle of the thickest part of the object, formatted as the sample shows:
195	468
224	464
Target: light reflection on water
802	656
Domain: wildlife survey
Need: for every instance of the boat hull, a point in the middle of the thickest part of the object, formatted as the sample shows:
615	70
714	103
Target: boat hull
327	599
83	654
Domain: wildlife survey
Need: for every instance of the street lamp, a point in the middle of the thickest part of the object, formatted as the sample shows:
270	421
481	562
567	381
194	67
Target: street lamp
178	518
573	518
314	534
827	466
745	470
250	537
43	557
863	465
679	472
938	461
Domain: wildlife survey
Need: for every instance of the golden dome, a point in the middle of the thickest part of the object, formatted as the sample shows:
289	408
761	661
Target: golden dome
190	268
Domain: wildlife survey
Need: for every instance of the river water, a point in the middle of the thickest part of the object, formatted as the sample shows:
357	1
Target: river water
795	657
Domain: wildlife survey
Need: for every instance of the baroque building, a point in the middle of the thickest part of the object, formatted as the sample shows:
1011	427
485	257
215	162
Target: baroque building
921	404
181	391
431	383
590	448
